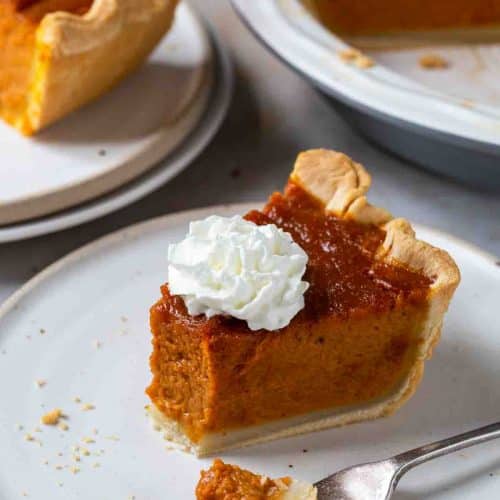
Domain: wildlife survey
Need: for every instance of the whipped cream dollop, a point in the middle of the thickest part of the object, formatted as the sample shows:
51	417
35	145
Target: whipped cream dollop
231	266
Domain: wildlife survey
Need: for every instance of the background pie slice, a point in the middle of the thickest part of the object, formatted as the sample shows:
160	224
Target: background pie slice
368	17
372	315
392	24
56	55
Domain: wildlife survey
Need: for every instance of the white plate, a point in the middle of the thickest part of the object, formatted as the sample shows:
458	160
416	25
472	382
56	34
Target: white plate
102	292
116	138
446	120
179	159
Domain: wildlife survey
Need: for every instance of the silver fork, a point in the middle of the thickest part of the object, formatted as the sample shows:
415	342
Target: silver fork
378	480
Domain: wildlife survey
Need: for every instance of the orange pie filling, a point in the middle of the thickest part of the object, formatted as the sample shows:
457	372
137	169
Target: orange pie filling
224	482
353	343
367	17
19	21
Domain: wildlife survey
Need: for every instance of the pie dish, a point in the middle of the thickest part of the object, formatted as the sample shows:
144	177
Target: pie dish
57	55
356	351
224	481
348	17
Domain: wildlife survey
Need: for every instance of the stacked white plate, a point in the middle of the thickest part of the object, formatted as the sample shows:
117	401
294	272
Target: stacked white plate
124	145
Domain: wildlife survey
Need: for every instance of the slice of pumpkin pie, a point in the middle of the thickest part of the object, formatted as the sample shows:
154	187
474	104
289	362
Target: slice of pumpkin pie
225	481
317	311
56	55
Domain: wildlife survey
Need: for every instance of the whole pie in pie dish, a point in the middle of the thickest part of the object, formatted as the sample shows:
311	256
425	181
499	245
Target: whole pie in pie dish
372	315
370	17
56	55
224	482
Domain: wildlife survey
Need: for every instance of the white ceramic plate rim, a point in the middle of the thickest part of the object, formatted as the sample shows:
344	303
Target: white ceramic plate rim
307	46
180	159
176	218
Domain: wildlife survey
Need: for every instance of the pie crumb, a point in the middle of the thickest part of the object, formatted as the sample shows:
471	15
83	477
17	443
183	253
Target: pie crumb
60	484
88	407
356	57
364	62
433	61
466	103
349	54
63	426
96	465
28	437
281	485
74	469
76	399
52	417
88	440
85	452
40	383
96	344
76	458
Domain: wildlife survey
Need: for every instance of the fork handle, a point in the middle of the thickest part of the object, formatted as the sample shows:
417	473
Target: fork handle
409	459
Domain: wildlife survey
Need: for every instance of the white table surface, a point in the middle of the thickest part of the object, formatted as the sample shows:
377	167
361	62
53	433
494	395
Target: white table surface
274	115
